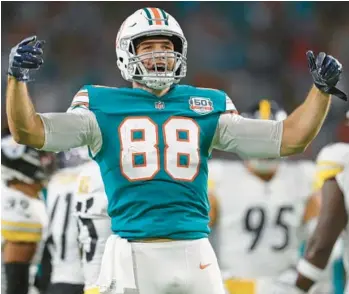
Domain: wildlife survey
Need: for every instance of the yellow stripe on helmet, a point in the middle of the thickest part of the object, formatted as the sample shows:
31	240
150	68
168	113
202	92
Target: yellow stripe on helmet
265	109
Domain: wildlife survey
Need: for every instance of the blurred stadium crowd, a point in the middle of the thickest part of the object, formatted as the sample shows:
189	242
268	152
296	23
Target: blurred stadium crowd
252	50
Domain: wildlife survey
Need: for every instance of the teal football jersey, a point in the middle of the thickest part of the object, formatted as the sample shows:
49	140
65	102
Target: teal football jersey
153	158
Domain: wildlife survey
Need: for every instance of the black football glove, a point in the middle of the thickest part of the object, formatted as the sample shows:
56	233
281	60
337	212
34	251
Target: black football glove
326	71
25	56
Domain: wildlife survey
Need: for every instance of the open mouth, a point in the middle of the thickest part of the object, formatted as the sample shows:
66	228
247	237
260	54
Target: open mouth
158	67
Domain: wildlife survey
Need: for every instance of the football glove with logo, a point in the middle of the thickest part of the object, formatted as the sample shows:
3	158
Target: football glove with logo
326	71
25	56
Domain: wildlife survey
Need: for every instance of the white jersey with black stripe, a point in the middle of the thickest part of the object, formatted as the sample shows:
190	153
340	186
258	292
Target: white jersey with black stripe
63	228
94	223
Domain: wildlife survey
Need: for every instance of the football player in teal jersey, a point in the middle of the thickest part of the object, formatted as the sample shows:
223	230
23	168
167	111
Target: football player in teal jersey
152	143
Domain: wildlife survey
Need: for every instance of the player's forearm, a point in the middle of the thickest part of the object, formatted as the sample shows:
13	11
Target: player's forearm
332	220
319	251
24	123
302	126
317	254
328	228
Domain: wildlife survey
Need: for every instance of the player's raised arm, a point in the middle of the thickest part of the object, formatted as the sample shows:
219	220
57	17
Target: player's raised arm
51	131
270	139
304	123
24	123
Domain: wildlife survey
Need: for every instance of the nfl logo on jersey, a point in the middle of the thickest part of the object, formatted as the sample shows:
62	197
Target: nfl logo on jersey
201	105
159	105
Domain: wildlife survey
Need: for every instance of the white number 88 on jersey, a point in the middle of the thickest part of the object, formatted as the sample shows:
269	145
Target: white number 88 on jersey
140	153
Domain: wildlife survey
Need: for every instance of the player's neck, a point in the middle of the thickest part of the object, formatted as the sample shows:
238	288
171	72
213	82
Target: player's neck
266	177
158	93
27	189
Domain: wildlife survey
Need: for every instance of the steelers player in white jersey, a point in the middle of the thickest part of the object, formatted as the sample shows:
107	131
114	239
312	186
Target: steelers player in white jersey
262	209
67	276
329	161
94	222
333	168
23	216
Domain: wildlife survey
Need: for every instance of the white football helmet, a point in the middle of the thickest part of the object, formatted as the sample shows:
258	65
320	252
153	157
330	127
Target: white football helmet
148	22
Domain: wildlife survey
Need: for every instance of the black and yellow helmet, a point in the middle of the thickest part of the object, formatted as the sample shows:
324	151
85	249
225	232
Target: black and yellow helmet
23	163
266	109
